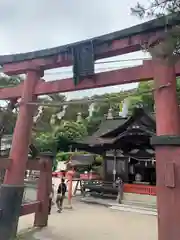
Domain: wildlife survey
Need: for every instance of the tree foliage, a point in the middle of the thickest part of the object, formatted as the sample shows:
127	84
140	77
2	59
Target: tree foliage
156	8
60	137
143	96
10	81
45	142
168	47
67	132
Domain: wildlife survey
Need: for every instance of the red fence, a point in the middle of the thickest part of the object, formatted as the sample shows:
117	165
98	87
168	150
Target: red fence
140	189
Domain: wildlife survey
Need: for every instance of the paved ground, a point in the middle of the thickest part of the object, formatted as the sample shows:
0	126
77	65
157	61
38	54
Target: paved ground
89	222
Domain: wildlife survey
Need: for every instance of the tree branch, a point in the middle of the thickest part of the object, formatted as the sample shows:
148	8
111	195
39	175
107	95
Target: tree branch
156	8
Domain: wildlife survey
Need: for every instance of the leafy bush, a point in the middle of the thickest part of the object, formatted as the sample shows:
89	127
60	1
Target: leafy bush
62	156
98	160
45	142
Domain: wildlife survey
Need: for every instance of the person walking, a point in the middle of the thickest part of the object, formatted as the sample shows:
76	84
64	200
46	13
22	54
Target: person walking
61	195
120	184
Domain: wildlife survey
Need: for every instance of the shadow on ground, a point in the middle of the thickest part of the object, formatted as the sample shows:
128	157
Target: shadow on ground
37	234
28	234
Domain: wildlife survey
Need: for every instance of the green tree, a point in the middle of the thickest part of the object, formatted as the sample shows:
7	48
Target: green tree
156	8
60	137
45	142
67	132
70	130
135	101
143	96
10	81
178	89
169	47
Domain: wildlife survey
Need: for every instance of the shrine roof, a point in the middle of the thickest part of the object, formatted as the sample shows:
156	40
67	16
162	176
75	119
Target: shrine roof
139	126
147	27
82	160
139	120
108	126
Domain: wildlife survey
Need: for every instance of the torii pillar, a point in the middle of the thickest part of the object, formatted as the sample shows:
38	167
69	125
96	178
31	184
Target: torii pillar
11	192
167	146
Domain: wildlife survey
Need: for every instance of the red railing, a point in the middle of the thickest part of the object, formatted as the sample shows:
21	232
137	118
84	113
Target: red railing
41	206
140	189
29	208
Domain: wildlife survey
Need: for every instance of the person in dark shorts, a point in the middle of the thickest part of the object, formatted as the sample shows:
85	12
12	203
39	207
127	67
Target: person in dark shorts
61	194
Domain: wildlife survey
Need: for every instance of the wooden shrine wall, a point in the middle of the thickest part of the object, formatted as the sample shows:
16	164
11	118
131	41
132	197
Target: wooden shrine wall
115	167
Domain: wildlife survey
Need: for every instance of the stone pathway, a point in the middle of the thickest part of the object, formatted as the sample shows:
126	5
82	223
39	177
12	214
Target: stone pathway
87	222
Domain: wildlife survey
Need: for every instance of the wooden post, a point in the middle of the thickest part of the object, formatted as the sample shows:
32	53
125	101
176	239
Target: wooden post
70	187
11	192
44	189
167	146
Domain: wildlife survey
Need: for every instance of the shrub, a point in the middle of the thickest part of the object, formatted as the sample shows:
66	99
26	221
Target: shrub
98	160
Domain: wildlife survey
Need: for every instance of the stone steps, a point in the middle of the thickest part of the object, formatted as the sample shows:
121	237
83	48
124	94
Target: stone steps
129	206
140	204
135	209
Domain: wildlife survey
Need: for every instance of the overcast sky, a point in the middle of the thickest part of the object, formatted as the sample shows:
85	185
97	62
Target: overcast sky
30	25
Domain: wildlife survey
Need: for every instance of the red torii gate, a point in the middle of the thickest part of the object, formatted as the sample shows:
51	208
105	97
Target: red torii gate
166	142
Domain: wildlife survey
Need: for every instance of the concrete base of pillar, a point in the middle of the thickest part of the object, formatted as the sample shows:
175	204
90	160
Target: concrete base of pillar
10	205
68	207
